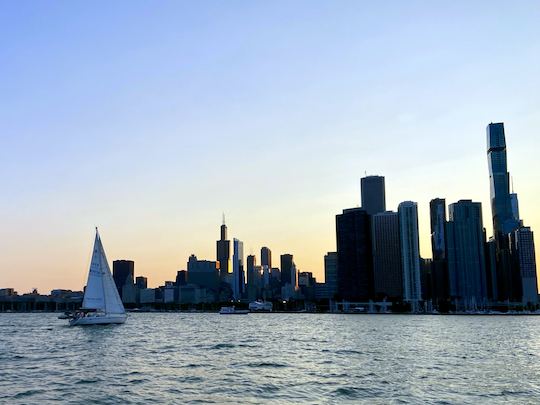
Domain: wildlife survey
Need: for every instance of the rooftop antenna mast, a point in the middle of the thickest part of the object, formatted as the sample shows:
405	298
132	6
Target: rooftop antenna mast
223	217
512	183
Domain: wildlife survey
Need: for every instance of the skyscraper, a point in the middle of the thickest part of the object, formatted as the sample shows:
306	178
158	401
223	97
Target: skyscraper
499	179
287	265
251	262
330	273
223	251
437	210
385	241
122	271
525	264
266	257
238	269
439	268
373	194
466	260
141	282
410	253
355	262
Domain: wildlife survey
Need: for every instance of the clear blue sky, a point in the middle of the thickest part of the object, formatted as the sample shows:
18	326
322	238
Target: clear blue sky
150	119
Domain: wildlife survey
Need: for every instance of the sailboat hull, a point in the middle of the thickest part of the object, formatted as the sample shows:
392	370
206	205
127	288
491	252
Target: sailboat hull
98	320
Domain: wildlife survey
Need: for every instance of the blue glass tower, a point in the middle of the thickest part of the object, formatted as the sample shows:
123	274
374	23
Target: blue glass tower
504	221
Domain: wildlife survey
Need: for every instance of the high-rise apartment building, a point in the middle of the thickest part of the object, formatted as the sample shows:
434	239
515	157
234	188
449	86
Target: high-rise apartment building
504	221
466	260
410	252
522	243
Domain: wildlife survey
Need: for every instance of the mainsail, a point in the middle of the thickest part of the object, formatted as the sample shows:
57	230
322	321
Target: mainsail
101	293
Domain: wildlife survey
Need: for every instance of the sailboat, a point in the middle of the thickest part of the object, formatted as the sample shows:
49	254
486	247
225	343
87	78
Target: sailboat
101	303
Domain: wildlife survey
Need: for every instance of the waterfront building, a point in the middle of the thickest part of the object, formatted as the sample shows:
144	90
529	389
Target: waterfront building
203	273
122	269
410	253
141	282
251	262
490	256
147	296
354	268
439	266
385	244
223	252
266	257
238	269
288	272
523	252
330	274
465	250
373	194
181	277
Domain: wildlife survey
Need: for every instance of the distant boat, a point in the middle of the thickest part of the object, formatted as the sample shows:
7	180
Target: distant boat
260	306
101	303
233	311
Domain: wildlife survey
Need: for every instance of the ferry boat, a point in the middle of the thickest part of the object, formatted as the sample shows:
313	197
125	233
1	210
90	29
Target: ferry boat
233	311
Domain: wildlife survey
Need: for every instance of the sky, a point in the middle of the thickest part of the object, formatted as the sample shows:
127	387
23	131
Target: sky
151	119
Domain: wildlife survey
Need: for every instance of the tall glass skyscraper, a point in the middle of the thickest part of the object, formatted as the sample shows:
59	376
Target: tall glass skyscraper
504	221
466	260
410	252
238	269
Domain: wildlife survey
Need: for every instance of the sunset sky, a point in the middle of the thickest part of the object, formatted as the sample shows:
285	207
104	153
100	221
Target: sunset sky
151	119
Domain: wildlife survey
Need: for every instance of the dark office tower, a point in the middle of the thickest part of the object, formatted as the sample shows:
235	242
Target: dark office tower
181	278
439	269
373	194
287	266
122	270
141	282
522	243
466	260
330	273
499	180
251	262
490	254
437	211
266	257
385	244
223	248
355	264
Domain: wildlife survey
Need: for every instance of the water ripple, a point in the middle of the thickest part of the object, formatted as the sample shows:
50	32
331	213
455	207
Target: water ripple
271	359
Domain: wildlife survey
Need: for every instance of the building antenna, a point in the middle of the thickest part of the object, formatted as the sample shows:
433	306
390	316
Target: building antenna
223	217
512	183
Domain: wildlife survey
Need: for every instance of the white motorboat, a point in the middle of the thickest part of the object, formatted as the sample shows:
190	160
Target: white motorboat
233	311
260	306
101	303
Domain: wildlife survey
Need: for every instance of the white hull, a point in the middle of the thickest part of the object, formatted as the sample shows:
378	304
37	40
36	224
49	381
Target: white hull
98	320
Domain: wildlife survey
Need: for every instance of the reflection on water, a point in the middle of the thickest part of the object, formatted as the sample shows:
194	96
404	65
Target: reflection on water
271	358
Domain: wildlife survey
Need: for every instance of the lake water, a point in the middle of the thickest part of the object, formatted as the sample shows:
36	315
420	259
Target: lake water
271	359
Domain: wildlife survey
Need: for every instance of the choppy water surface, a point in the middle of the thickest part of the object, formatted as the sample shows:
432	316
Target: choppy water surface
271	358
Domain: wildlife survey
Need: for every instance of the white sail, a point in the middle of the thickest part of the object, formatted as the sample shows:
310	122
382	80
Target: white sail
101	293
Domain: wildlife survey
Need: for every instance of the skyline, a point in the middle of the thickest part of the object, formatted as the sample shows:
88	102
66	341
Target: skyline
184	122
